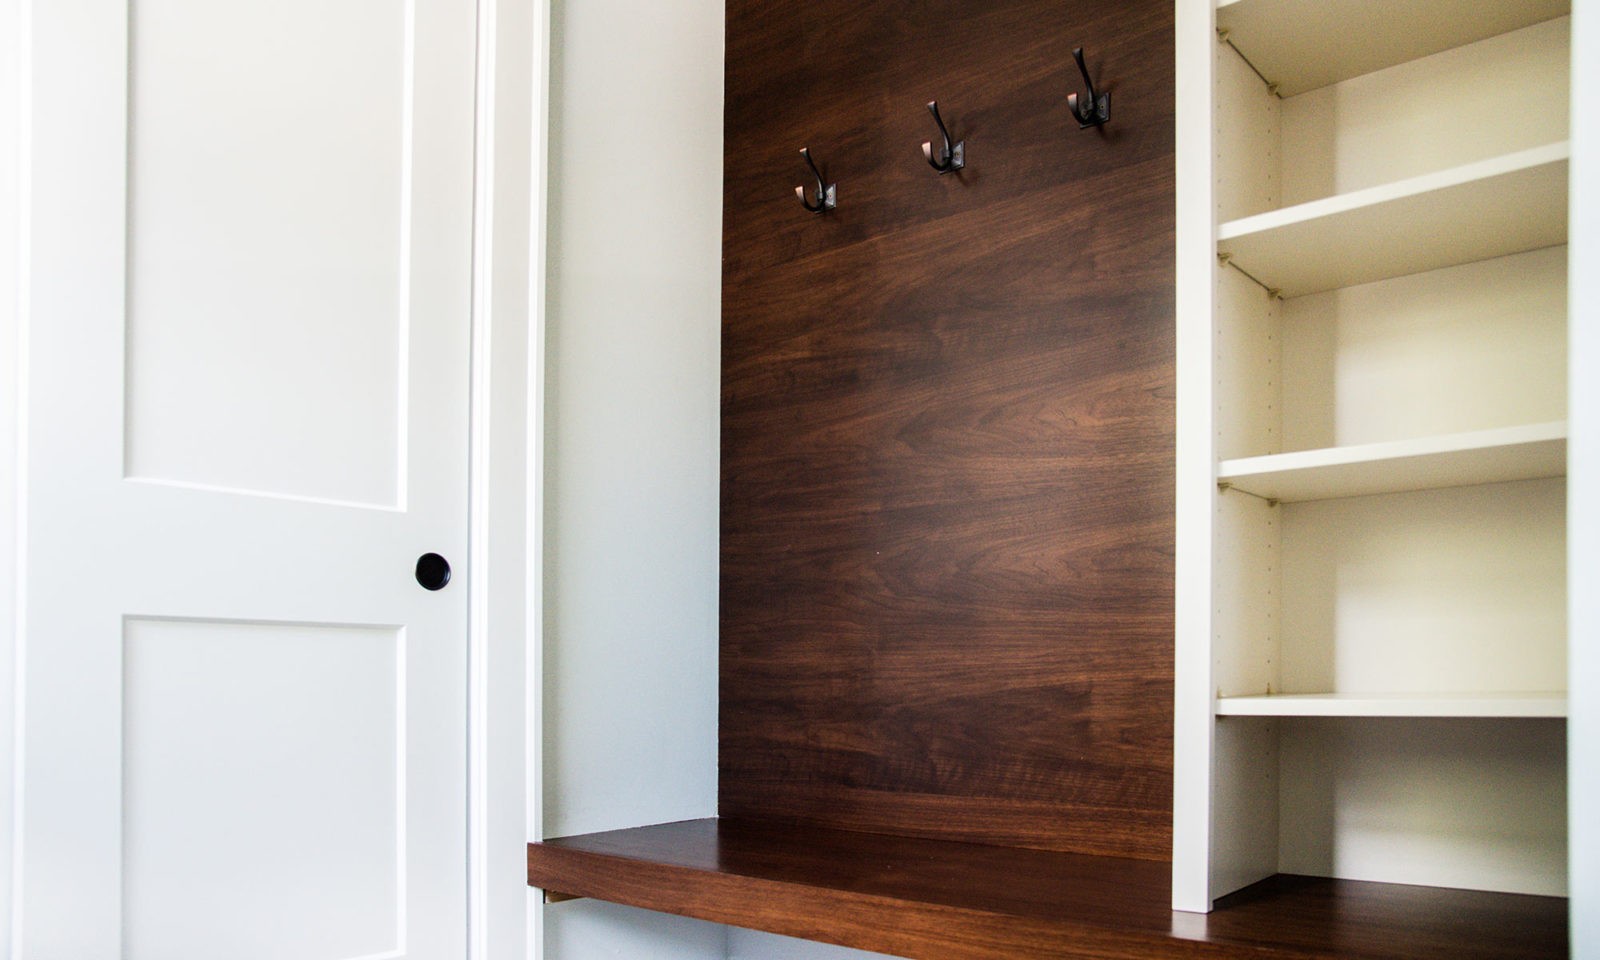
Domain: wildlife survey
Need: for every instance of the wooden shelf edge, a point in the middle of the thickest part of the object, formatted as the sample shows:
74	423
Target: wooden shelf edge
902	896
1466	706
938	900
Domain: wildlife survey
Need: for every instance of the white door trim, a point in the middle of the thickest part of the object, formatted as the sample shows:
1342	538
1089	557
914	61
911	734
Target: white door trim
506	443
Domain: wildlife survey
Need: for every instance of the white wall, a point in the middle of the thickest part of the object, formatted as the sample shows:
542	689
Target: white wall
593	930
751	945
1583	519
632	405
10	131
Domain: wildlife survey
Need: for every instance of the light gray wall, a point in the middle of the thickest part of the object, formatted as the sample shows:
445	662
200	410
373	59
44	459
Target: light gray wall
632	405
592	930
631	441
10	136
751	945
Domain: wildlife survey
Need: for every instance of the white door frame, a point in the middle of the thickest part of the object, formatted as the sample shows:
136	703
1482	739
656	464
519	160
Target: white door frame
506	438
505	529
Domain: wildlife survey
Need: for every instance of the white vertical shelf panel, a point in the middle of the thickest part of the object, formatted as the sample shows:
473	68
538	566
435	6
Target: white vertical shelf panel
1195	461
1530	452
1531	705
1583	517
1304	44
1504	205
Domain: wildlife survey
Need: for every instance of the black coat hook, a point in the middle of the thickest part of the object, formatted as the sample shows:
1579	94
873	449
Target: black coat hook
827	194
950	157
1098	108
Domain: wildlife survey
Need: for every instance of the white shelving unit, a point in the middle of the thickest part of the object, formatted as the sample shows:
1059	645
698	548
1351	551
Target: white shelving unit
1372	443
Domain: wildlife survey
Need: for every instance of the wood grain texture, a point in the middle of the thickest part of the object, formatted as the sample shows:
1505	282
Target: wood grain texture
1349	918
957	901
948	426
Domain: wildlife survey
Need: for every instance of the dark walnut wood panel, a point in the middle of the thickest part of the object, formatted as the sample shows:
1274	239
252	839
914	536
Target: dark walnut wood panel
948	432
956	901
1388	921
850	81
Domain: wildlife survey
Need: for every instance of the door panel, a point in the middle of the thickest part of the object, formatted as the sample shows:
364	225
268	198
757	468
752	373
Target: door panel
248	266
214	713
268	231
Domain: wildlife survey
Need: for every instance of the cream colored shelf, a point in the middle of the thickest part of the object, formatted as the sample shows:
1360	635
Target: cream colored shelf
1503	205
1528	452
1509	705
1304	44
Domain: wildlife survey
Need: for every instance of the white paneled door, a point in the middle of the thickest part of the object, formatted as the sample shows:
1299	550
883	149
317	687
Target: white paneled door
247	285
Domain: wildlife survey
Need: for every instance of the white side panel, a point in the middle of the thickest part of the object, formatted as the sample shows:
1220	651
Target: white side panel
1196	57
1248	368
1428	115
275	746
1476	804
1465	348
753	945
1449	591
268	232
1248	171
1245	843
1247	593
1584	477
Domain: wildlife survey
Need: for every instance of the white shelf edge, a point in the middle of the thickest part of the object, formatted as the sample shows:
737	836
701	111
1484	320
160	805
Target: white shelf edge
1398	190
1524	452
1489	705
1303	45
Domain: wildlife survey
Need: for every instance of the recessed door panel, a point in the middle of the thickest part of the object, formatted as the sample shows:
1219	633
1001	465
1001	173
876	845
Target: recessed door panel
262	775
268	243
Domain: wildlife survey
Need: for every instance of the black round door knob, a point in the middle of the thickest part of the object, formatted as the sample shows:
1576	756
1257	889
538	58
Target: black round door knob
433	571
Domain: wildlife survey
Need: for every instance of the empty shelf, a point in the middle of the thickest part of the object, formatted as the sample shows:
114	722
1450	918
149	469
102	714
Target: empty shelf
938	900
1492	208
1304	44
1395	705
1525	452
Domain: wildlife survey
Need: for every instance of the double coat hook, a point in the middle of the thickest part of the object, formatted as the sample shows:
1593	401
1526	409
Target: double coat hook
1097	109
827	194
950	157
